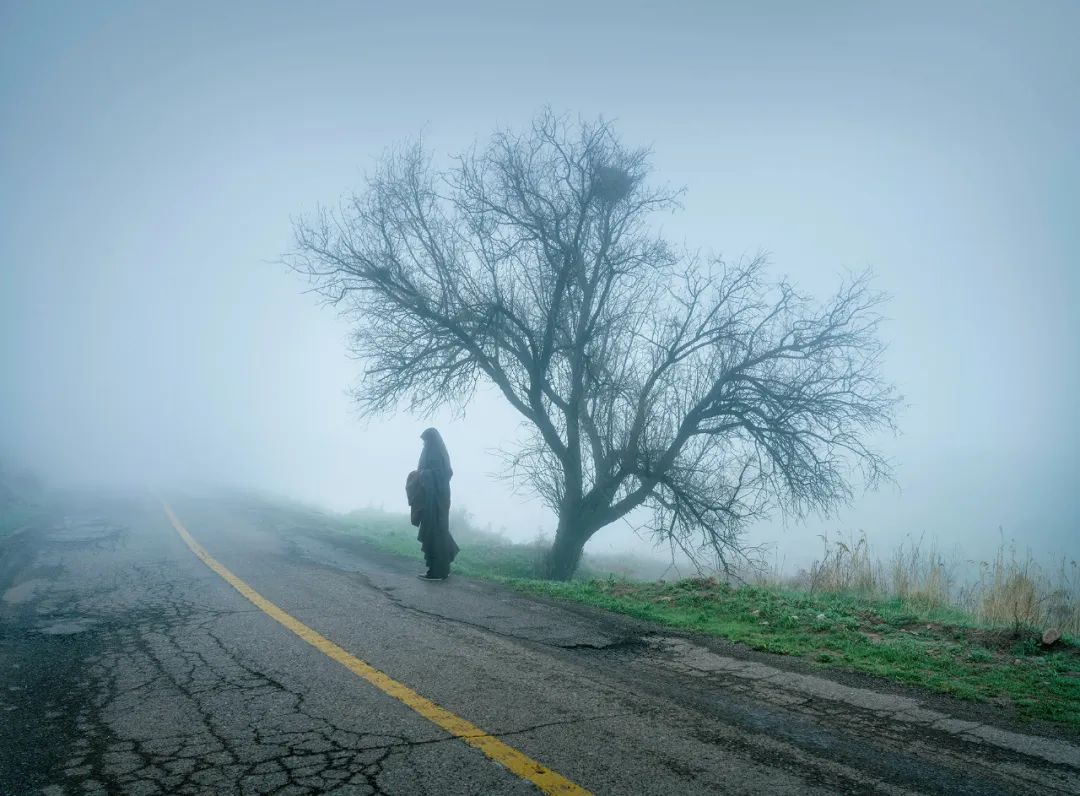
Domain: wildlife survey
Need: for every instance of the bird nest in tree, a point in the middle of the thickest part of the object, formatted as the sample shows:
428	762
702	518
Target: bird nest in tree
612	183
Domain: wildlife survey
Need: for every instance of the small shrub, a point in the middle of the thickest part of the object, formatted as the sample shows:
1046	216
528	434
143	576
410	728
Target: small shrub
1025	647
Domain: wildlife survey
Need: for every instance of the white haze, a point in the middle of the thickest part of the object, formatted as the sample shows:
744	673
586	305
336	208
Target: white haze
153	154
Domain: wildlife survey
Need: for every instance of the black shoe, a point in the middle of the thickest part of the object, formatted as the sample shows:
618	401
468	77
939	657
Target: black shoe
429	576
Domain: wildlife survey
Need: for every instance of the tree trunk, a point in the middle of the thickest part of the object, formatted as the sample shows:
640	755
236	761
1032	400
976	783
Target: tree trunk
565	554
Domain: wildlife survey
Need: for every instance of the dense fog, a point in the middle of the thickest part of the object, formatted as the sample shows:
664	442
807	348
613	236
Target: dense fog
153	157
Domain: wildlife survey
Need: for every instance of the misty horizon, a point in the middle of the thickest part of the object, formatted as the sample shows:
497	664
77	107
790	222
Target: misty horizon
155	158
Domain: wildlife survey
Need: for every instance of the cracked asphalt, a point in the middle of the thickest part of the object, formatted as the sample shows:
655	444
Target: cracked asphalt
130	667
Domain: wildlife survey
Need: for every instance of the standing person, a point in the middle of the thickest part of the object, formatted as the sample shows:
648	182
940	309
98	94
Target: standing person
434	474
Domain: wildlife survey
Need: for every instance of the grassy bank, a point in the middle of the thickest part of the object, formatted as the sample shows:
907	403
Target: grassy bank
484	554
835	621
939	649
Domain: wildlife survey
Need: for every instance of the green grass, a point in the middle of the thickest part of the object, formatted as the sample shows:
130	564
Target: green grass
483	555
941	650
907	641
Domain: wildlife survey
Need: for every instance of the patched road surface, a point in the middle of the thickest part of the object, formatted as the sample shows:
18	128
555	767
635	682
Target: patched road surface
128	666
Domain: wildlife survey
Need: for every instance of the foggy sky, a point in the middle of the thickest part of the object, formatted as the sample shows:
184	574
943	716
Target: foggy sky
152	155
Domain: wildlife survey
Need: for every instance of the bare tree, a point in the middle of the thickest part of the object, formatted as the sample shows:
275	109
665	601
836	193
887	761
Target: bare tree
647	377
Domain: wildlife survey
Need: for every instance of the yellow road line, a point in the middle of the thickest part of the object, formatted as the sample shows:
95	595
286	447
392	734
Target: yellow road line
525	767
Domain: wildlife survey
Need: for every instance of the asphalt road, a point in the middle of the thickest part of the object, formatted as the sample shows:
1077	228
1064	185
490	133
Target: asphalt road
128	666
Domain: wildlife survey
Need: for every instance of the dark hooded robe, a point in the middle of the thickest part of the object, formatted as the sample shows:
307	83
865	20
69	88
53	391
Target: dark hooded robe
434	474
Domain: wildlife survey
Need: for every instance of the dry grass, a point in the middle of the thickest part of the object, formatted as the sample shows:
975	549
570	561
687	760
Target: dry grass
1015	591
846	567
1011	590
